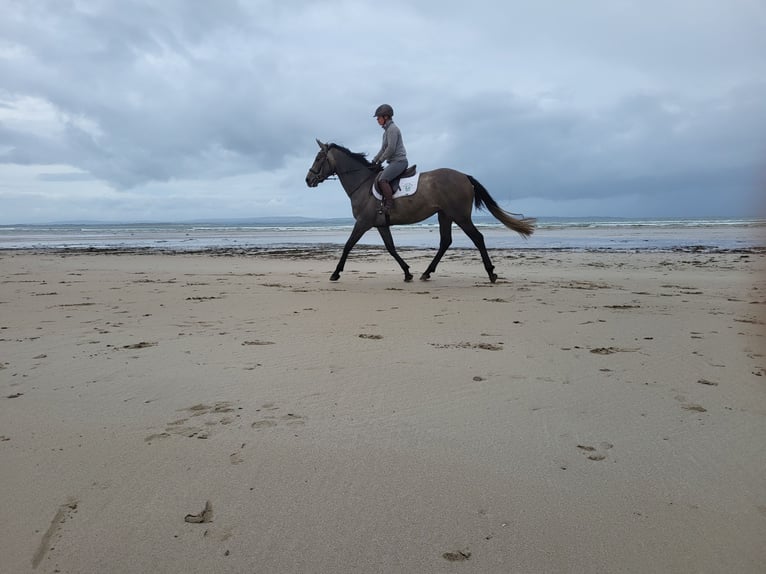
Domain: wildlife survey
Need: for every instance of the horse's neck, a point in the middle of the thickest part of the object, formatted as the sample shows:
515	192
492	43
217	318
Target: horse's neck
351	173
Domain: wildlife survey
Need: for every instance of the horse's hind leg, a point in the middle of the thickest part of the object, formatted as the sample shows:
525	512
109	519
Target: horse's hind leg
478	240
445	233
388	241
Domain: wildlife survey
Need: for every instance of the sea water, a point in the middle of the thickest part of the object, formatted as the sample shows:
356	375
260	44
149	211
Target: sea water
585	234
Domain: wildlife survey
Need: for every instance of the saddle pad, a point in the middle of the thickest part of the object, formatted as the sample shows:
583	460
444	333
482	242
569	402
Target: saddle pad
407	186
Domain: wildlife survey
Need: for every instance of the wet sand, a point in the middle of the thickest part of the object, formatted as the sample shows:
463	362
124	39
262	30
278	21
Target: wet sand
589	412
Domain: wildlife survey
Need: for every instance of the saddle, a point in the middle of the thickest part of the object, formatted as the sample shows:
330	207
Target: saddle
409	172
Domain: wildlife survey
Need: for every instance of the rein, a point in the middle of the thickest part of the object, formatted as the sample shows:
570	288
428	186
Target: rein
339	174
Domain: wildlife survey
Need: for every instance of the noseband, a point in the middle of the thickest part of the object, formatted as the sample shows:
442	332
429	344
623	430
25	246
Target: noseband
326	160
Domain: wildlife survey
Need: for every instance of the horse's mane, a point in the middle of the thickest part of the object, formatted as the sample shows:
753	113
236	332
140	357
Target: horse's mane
362	157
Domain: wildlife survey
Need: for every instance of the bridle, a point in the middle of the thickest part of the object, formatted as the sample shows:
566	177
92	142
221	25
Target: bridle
318	173
326	161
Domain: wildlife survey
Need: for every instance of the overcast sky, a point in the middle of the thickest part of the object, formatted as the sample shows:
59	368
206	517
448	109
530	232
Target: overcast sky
173	110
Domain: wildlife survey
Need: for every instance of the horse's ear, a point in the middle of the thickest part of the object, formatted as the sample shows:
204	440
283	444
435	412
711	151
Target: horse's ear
321	145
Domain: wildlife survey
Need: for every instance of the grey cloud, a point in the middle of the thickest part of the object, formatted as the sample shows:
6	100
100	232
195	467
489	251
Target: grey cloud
145	81
652	144
552	101
64	177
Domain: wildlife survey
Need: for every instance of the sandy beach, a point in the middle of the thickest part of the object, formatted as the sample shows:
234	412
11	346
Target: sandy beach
589	412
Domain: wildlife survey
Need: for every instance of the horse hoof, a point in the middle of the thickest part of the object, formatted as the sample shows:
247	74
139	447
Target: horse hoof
425	277
334	276
492	278
407	278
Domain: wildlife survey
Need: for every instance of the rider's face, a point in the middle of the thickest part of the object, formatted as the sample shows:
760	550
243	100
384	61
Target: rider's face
381	120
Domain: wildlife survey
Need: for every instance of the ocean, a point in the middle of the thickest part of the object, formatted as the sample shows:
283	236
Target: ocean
575	234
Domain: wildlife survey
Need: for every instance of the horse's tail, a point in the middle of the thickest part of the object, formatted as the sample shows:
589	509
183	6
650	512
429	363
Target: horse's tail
524	226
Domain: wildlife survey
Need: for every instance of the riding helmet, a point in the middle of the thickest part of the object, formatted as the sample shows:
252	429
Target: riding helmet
384	110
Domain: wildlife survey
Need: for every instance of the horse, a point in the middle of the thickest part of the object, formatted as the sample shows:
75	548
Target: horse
445	192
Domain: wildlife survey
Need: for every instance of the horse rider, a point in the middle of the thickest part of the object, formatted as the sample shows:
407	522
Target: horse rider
392	150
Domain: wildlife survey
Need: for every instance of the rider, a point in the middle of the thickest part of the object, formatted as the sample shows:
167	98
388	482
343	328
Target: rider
391	150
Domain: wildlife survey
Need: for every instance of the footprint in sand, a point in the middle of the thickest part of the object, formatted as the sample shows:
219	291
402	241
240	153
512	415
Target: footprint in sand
63	513
694	408
707	383
273	420
236	457
611	350
592	452
211	416
205	515
459	556
690	406
141	345
468	345
263	424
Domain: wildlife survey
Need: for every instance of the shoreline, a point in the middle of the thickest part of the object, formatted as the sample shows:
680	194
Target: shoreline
321	248
620	236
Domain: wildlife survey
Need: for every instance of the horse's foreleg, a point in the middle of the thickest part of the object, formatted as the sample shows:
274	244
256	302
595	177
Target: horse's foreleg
478	241
388	241
356	235
445	233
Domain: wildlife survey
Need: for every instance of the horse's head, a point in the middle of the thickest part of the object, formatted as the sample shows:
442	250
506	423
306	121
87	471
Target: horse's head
322	168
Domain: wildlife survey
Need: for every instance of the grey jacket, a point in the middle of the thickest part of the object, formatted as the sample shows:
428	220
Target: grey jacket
393	146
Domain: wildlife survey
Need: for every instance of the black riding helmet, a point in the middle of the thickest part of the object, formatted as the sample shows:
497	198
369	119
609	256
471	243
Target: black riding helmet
384	110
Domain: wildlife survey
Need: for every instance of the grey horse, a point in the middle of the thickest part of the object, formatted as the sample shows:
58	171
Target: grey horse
445	192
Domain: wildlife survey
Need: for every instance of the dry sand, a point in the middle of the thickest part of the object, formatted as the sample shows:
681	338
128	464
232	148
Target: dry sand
589	412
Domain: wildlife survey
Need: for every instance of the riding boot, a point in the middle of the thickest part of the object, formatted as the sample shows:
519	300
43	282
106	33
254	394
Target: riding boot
387	193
